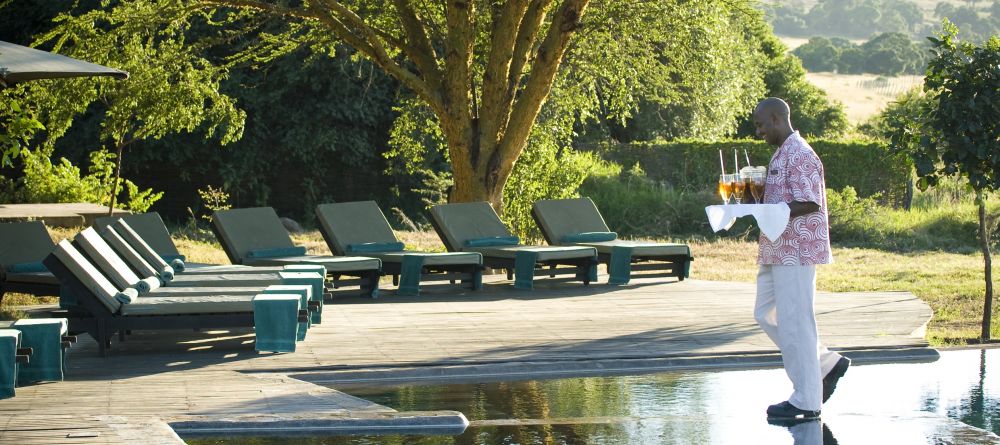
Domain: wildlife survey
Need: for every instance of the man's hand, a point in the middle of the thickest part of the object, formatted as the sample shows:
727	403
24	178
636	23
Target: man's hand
799	208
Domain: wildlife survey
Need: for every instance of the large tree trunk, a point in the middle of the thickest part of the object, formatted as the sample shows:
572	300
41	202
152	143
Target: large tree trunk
984	239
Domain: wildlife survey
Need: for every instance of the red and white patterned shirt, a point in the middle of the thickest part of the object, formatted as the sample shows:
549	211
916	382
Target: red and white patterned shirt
796	174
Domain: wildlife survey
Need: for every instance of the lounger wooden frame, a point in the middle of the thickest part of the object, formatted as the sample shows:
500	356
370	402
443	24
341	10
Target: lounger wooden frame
92	317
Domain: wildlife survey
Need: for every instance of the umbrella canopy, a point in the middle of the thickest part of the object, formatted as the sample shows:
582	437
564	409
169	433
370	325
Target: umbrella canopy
20	63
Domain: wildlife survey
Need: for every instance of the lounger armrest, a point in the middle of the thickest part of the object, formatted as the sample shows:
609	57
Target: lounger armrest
22	359
25	351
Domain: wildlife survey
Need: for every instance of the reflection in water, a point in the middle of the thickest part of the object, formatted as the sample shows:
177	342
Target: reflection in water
809	432
897	403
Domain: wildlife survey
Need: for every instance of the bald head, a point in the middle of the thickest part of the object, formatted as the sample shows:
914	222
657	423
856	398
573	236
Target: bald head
773	106
772	119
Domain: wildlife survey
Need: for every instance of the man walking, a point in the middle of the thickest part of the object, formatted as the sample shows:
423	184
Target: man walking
786	281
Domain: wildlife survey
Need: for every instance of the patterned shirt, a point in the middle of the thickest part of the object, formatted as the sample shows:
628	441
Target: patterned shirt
796	174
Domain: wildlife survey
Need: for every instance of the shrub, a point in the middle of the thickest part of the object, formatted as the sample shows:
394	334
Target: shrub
693	166
45	181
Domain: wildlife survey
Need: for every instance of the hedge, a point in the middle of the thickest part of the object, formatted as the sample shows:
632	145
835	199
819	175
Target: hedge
870	167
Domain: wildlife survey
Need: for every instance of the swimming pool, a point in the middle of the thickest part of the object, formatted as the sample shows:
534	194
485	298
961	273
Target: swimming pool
887	403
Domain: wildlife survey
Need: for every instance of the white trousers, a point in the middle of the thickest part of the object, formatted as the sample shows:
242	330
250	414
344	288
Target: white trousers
784	310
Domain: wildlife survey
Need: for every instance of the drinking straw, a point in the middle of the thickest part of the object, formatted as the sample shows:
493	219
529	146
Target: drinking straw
746	156
736	159
722	165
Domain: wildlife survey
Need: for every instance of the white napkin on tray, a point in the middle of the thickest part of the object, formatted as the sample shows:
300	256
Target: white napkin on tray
771	218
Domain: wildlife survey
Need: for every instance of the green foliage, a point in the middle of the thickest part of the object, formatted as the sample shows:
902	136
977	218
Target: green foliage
635	205
899	121
872	168
889	54
45	182
962	123
635	78
17	126
546	171
813	114
213	200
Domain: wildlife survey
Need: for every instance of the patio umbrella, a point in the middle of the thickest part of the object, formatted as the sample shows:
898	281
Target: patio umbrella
20	63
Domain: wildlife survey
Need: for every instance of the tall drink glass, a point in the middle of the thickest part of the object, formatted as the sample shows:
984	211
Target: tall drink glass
738	187
724	188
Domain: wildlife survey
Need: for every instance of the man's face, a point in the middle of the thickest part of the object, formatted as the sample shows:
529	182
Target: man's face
764	123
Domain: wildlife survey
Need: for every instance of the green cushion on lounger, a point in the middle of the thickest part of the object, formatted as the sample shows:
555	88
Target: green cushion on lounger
9	342
589	237
277	252
492	241
44	337
375	247
27	268
276	324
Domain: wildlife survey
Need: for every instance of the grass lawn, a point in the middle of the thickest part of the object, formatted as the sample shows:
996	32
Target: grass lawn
951	283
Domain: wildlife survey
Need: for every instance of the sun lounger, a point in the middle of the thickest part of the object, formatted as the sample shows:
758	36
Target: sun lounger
102	255
255	237
113	309
150	227
476	227
577	222
361	228
23	245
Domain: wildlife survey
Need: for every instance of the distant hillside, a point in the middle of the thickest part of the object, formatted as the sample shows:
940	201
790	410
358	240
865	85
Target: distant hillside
862	19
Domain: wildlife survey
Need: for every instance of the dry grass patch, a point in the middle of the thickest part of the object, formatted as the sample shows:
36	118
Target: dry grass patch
863	95
951	283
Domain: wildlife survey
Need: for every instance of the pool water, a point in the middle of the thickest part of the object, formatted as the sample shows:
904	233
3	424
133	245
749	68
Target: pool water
888	403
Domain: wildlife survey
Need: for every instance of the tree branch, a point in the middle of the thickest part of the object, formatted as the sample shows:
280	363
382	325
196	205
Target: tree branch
262	6
495	110
368	43
418	46
538	84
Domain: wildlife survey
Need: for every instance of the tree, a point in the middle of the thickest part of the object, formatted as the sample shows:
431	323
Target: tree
484	69
813	114
959	133
168	90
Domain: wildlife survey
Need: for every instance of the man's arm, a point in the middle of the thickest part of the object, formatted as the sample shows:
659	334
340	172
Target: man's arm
799	208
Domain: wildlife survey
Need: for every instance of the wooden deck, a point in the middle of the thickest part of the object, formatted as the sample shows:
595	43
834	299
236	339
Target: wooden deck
77	214
209	375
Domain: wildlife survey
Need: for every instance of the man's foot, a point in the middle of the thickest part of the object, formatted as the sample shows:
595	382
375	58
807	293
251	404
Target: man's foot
830	381
785	410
